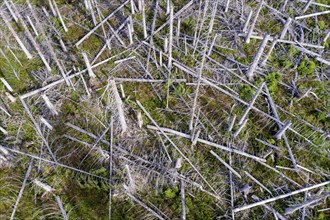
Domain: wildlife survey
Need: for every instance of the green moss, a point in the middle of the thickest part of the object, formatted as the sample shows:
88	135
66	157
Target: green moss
171	193
306	67
272	81
286	63
187	26
246	91
69	108
322	216
75	95
321	24
293	51
250	49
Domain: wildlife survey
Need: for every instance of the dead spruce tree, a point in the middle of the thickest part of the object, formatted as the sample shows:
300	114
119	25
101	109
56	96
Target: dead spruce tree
164	109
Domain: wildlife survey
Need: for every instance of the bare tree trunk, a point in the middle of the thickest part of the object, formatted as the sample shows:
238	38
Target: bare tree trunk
145	34
248	35
259	183
143	205
227	6
229	149
132	7
27	53
32	25
60	16
226	165
312	15
280	133
285	28
246	112
245	207
304	204
273	107
100	24
12	13
269	52
52	7
169	65
60	205
48	125
232	122
88	65
246	25
183	204
10	89
119	104
250	73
